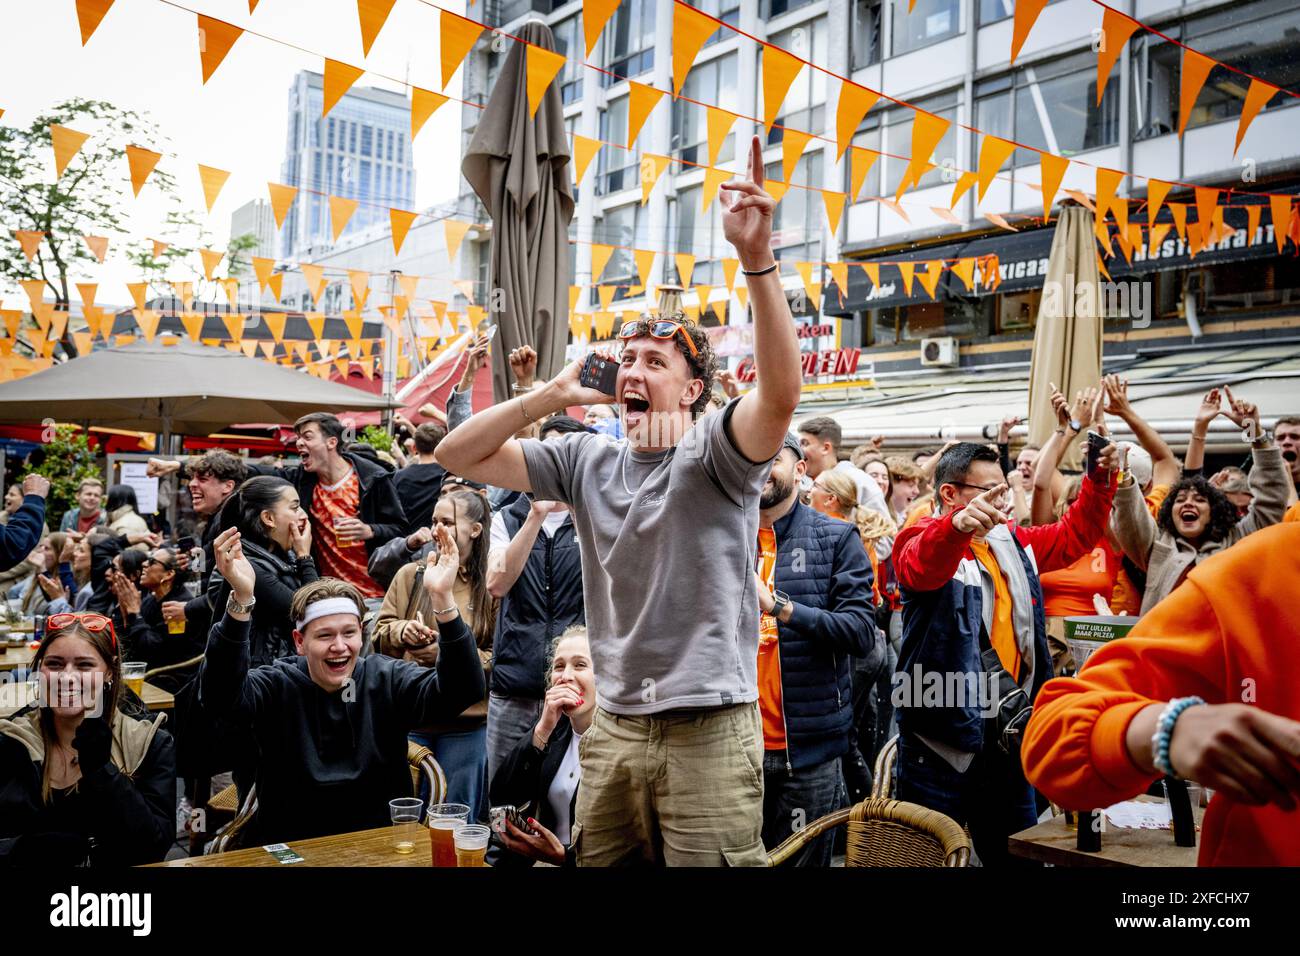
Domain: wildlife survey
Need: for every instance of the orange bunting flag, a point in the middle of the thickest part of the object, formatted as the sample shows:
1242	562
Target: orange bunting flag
1082	199
58	325
458	37
834	203
212	180
652	168
424	103
897	210
66	143
315	322
275	323
400	222
793	143
267	348
1252	223
685	267
854	104
1280	207
1256	98
373	14
641	100
281	199
805	275
35	289
929	279
645	259
216	37
993	153
276	285
1119	209
1000	221
906	270
84	342
1179	211
579	324
840	273
159	247
234	326
719	123
964	269
946	215
720	311
1157	190
600	255
713	180
185	292
341	211
211	259
231	288
1053	172
142	162
1108	181
87	292
409	284
1156	236
860	163
249	347
454	232
193	324
779	71
606	294
1026	15
262	268
965	183
927	131
541	67
690	29
89	14
339	78
359	280
138	290
729	269
148	320
776	189
742	294
30	240
1206	201
584	151
352	319
1196	67
595	14
1116	30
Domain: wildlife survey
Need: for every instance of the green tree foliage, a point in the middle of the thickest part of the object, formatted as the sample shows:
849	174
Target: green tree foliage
68	459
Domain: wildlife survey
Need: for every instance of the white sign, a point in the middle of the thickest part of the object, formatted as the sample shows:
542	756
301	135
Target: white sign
146	489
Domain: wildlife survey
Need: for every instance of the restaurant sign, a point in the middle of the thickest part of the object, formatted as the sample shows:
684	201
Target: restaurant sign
840	363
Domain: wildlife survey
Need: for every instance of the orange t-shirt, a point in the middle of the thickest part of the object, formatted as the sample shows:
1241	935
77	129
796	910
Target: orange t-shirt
340	559
769	655
1003	634
922	509
1069	591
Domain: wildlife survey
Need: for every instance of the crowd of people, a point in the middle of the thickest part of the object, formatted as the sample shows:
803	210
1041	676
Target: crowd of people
673	629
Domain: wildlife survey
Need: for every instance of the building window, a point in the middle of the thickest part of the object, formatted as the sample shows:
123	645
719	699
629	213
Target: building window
898	142
991	11
728	11
959	317
929	22
868	137
569	43
629	40
774	8
797	222
330	140
866	33
1018	311
713	82
618	168
804	105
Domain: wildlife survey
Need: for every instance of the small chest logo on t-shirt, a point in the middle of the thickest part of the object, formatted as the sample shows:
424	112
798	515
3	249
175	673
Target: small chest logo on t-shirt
652	499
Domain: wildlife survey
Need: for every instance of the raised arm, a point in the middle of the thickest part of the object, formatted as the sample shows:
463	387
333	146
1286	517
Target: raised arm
1208	412
762	417
506	564
1047	475
224	686
1270	479
1164	466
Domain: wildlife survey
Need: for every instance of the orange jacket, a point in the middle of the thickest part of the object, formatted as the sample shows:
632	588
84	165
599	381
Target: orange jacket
1229	634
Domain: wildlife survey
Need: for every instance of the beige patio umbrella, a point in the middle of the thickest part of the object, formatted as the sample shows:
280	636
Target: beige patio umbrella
1067	338
518	165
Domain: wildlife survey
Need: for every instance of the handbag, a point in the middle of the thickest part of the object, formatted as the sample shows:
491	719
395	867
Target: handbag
1006	725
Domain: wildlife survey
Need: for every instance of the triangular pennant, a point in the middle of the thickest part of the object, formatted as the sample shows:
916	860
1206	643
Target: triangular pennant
1000	221
98	246
641	100
793	143
211	259
584	151
906	270
1157	190
231	288
212	179
713	180
249	347
946	215
606	294
373	14
281	199
139	291
458	37
193	324
652	168
719	123
1252	222
275	323
685	267
1135	235
1206	201
276	285
779	70
1157	235
840	273
834	203
776	189
742	293
98	321
466	287
860	163
148	320
729	268
1196	67
604	322
965	183
1026	14
964	269
1280	210
600	255
896	209
1125	245
1082	199
400	222
424	103
360	282
454	231
855	101
872	271
86	290
66	143
352	319
595	14
1116	30
927	131
993	153
159	247
341	211
121	341
185	292
805	274
315	322
720	311
644	259
30	240
541	67
580	325
58	325
929	279
216	37
1119	209
690	29
89	14
262	268
84	341
234	323
44	316
267	348
409	284
1052	173
1256	98
702	293
142	162
1179	211
1108	181
35	289
339	78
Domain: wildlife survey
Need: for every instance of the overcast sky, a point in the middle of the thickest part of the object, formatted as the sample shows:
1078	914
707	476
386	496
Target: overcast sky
145	57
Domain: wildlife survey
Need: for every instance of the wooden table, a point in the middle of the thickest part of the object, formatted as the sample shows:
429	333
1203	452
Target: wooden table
15	696
1051	842
363	848
16	657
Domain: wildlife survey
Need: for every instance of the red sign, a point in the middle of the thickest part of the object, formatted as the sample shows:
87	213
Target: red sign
838	362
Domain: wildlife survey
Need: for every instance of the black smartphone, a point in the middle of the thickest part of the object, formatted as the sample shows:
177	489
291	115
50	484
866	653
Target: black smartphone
185	543
1095	444
600	373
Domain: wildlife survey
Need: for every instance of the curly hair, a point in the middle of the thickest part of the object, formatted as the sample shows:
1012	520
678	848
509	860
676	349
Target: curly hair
1223	514
703	365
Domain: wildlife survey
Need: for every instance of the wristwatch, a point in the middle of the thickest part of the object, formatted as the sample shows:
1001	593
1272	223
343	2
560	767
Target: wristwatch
1075	426
234	607
781	601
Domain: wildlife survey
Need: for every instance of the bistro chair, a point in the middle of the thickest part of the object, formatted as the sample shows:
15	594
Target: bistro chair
178	666
887	833
882	782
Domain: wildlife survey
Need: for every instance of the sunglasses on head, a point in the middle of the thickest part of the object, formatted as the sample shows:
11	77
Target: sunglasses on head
95	623
658	329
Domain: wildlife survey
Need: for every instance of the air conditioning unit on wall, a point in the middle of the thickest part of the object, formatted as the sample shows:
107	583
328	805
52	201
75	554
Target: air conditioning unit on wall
939	352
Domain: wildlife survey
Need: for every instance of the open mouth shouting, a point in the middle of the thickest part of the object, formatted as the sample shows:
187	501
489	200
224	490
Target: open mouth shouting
337	666
636	405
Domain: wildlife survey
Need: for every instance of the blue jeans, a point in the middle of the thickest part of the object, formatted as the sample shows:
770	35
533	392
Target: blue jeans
793	799
463	758
992	797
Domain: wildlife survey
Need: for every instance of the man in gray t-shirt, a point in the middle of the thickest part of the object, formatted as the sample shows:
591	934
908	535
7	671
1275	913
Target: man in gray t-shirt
668	518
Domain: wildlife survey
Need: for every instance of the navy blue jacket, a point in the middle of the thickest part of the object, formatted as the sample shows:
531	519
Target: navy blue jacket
546	598
22	532
822	565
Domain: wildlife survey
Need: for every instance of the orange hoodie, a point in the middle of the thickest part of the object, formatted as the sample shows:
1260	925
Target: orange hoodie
1229	634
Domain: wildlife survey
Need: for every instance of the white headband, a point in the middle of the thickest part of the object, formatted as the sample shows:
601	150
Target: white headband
334	605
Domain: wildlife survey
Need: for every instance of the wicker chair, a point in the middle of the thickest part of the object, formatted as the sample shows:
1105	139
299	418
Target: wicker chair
178	666
887	833
882	782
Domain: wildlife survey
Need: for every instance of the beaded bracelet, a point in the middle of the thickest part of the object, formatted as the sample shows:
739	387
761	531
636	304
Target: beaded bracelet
1160	740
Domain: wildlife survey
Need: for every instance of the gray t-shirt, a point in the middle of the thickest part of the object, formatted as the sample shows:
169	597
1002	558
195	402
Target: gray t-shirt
668	551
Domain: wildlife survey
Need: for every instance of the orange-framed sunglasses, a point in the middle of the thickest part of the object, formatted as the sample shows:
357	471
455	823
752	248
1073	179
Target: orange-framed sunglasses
95	623
659	329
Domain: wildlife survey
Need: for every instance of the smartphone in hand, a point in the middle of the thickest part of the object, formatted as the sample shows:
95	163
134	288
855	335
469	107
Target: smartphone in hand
600	373
1095	445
